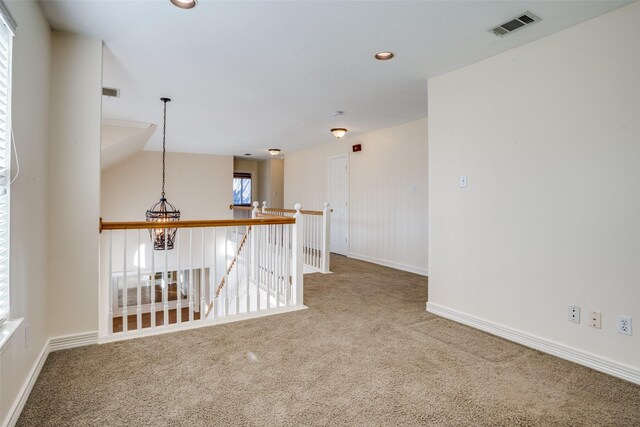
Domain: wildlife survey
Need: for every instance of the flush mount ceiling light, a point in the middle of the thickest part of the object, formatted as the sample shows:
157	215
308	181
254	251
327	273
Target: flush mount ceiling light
184	4
163	211
339	132
384	56
274	151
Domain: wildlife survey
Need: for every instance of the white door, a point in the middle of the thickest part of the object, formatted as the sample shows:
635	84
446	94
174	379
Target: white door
339	202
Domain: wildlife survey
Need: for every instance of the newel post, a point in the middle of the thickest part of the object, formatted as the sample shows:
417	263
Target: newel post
326	239
253	239
296	259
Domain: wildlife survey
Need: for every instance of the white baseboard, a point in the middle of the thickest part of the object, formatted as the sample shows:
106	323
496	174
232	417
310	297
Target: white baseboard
25	391
620	370
398	266
72	341
148	332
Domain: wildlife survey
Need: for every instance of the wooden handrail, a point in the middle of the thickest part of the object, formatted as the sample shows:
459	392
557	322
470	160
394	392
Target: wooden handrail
304	212
131	225
240	208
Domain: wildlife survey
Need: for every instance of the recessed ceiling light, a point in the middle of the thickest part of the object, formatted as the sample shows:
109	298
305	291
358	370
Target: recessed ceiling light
384	56
184	4
247	154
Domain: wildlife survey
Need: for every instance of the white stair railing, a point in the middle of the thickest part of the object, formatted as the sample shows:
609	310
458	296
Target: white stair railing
316	234
215	270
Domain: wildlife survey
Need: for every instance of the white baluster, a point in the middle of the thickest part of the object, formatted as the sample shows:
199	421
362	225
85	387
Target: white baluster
165	289
287	262
280	263
317	227
178	281
139	289
153	284
306	239
271	263
254	262
111	287
275	265
246	253
264	206
214	275
326	254
203	300
237	271
226	270
258	257
125	317
192	304
296	265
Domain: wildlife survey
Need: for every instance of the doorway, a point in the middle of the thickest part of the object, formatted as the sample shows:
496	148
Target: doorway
339	202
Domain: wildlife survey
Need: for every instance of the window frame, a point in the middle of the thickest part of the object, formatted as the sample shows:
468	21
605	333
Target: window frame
243	176
7	34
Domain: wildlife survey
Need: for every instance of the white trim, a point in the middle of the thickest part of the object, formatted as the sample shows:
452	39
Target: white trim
398	266
308	269
73	341
7	330
185	326
599	363
25	391
7	19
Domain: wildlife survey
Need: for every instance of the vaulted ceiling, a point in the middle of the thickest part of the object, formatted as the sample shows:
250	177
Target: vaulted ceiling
246	76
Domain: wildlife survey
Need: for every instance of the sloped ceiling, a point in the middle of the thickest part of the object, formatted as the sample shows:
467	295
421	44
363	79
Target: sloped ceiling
121	140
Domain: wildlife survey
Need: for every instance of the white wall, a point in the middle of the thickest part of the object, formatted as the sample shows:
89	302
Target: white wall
276	194
74	183
264	182
199	185
387	220
548	135
29	280
271	183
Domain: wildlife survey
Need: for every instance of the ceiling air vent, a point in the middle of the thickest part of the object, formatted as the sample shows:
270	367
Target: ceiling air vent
521	21
112	92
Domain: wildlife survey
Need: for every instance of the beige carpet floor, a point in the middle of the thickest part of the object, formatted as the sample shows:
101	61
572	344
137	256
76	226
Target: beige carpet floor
365	353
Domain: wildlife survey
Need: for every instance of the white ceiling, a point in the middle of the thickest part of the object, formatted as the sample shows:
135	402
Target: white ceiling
246	76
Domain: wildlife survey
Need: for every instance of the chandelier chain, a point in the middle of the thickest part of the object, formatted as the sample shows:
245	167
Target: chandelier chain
164	143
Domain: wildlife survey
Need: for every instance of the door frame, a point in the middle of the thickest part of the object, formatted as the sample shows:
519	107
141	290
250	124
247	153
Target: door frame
329	159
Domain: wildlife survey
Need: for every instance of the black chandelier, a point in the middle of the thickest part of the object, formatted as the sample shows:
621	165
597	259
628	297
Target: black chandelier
163	211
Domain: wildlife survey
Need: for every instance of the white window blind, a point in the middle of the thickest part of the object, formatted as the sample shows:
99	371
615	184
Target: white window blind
6	40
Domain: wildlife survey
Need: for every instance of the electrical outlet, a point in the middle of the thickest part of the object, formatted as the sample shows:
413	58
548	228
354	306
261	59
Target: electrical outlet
595	319
624	325
574	314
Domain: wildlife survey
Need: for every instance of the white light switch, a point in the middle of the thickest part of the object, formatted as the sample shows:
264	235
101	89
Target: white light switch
414	188
463	181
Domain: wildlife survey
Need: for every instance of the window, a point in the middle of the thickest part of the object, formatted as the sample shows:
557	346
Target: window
7	27
242	189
